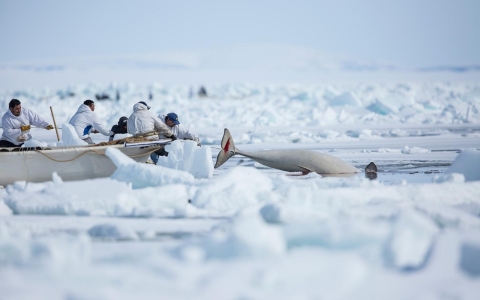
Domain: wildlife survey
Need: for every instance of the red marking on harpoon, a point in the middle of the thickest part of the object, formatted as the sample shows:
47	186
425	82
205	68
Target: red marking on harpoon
227	145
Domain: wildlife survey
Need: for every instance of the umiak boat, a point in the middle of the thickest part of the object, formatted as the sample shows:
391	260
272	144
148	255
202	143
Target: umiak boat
71	163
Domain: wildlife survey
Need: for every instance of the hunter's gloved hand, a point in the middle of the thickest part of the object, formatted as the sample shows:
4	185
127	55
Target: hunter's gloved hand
197	140
49	127
25	127
173	137
22	138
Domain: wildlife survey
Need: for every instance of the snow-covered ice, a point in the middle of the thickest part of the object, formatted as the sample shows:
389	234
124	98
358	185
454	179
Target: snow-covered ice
182	230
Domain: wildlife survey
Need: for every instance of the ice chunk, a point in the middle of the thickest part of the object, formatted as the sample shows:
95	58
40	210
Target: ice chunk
348	98
450	177
144	175
4	209
470	258
118	158
265	238
165	201
414	150
187	156
88	197
468	164
380	108
202	165
70	137
56	179
235	189
328	116
99	197
278	213
52	253
34	143
112	232
412	240
248	236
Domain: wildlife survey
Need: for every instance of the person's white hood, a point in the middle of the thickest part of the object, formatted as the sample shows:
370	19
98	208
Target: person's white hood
139	106
142	121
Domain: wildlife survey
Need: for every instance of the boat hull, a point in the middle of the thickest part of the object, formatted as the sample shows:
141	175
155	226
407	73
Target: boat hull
70	163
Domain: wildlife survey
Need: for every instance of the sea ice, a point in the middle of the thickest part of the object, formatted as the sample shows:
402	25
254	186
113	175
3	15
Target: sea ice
4	209
414	150
112	232
144	175
187	156
235	189
470	258
32	143
412	240
348	98
468	164
70	137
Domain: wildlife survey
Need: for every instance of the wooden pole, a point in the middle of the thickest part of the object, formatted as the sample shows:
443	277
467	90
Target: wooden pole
55	123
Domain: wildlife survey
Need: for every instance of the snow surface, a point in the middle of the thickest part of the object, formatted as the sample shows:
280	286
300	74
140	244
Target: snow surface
181	230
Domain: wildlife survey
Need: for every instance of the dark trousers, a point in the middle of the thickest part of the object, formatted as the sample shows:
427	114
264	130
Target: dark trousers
7	144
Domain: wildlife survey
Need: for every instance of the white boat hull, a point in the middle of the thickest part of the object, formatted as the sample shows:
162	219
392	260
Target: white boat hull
70	163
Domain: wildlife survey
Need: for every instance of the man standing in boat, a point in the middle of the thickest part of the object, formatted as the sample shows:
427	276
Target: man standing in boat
85	121
16	124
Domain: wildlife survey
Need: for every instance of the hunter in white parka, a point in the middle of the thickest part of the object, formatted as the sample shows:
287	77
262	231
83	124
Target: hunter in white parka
85	121
143	122
12	125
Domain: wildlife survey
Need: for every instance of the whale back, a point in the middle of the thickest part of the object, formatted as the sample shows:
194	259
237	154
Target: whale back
287	160
301	161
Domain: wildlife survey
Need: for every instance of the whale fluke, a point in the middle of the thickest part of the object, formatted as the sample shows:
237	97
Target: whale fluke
228	149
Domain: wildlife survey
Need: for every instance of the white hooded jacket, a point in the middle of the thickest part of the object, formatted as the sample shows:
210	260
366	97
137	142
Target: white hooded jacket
11	125
141	121
85	120
179	131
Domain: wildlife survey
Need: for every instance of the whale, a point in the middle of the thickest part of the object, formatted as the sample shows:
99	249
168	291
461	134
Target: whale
304	161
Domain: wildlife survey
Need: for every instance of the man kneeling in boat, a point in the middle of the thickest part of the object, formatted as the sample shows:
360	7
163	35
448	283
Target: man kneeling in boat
16	124
143	123
171	120
85	121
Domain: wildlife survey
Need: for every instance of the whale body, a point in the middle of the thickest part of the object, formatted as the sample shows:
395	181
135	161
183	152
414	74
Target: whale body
304	161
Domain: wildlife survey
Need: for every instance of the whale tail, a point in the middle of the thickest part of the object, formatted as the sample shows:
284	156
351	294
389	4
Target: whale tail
228	149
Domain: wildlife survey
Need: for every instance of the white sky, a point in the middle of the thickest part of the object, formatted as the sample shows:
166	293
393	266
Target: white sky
410	32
